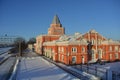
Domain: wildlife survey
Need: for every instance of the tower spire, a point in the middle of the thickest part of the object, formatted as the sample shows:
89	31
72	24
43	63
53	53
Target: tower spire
56	20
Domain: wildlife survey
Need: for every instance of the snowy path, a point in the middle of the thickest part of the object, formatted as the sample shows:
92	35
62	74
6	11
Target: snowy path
5	68
37	68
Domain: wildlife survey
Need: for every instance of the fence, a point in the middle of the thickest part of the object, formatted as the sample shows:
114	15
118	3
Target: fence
95	70
115	75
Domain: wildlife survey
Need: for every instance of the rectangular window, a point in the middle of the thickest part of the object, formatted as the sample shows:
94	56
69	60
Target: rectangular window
74	49
110	56
116	48
110	48
62	57
92	42
99	41
116	55
58	49
62	49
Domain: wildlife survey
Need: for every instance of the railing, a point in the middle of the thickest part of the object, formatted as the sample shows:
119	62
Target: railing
68	70
94	70
115	75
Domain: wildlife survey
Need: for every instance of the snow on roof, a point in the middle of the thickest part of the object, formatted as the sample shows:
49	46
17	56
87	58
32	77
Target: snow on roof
93	31
68	39
110	41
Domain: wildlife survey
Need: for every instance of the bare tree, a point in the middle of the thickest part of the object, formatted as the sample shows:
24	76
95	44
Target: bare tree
20	44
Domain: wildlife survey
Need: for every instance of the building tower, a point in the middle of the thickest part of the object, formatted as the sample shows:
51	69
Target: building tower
56	27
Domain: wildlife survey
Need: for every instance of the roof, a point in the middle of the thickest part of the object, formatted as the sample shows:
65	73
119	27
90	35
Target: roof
56	20
110	42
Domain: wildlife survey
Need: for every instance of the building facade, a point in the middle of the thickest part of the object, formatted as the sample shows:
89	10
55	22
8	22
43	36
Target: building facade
78	48
7	40
54	32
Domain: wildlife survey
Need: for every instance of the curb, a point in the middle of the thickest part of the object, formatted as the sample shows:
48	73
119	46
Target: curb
13	75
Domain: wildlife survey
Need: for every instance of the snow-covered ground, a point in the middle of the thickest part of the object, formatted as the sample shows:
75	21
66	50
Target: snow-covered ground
103	71
37	68
114	66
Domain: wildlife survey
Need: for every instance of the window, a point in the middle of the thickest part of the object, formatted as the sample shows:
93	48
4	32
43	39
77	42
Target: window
99	41
74	49
83	49
110	56
110	48
73	59
99	54
116	55
62	57
62	49
116	48
92	41
58	49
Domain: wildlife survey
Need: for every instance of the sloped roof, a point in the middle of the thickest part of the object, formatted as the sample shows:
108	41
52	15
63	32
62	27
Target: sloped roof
56	20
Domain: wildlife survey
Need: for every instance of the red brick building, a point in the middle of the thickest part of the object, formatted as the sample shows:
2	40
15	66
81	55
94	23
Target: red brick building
54	32
77	48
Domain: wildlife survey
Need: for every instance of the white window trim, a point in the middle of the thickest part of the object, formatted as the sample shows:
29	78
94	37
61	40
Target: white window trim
74	49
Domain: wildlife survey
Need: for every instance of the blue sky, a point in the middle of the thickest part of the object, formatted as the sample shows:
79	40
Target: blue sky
29	18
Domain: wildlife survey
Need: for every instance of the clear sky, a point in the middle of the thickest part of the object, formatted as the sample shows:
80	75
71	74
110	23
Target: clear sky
29	18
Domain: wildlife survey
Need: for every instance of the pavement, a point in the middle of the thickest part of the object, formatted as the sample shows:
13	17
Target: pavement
6	67
34	67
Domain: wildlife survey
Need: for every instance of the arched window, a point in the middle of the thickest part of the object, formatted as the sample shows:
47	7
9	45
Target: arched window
83	49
